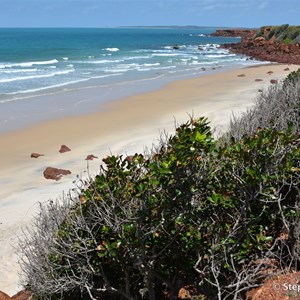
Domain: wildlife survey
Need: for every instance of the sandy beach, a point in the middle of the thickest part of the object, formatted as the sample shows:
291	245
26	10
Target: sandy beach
123	126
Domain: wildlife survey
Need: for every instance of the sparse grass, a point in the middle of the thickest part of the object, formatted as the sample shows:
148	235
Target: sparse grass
276	108
287	41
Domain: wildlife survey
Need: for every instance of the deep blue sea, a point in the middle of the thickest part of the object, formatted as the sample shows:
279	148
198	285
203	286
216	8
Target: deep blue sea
36	62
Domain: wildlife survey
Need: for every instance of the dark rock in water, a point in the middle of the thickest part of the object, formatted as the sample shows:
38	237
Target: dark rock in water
273	81
270	72
36	155
200	48
258	80
286	69
55	174
241	75
23	295
176	47
64	148
4	296
91	157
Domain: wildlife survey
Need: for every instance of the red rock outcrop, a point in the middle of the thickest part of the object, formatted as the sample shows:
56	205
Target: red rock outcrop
242	33
55	174
4	296
23	295
268	50
259	47
36	155
91	157
277	288
64	148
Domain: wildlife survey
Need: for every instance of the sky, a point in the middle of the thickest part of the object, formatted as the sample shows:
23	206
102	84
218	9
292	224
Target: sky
113	13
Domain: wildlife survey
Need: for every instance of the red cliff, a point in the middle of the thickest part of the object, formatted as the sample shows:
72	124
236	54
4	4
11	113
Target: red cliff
262	48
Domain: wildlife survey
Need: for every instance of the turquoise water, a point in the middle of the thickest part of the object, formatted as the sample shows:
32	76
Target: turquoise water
41	62
36	59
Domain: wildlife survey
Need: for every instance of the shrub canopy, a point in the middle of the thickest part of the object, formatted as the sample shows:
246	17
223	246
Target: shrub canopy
196	211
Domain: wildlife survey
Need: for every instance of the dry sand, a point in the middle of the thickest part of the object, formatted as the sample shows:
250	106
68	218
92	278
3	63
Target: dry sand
125	126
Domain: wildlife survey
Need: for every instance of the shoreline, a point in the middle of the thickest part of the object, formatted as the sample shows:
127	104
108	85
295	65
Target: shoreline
122	126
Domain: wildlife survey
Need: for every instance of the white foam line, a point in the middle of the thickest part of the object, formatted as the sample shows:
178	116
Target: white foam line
104	61
54	86
37	76
76	89
111	49
17	71
29	64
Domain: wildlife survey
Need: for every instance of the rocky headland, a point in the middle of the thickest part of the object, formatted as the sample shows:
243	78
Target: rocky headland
235	32
269	43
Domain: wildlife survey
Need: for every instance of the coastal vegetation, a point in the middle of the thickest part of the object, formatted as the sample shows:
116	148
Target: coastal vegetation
269	43
214	216
284	33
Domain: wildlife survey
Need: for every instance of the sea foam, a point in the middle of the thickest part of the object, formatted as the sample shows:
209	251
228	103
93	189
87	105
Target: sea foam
36	76
29	64
111	49
17	71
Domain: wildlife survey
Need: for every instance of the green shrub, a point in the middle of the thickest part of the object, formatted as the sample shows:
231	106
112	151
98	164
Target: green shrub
271	33
294	33
284	33
276	108
191	212
293	78
196	211
291	32
260	32
279	29
287	41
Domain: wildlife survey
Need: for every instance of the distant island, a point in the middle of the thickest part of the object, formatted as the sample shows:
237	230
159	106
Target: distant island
183	26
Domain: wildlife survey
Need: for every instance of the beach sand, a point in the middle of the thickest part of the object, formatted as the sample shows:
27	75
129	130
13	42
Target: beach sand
124	126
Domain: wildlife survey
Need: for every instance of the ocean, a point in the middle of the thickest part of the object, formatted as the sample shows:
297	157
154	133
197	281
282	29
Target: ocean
37	63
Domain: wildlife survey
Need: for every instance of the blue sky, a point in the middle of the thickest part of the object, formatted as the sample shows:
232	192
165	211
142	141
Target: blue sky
110	13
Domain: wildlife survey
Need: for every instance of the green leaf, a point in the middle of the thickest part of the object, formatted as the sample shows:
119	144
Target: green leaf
200	137
102	254
268	238
238	147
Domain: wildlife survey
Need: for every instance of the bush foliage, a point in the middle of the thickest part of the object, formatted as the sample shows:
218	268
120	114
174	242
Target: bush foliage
196	211
283	33
276	108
